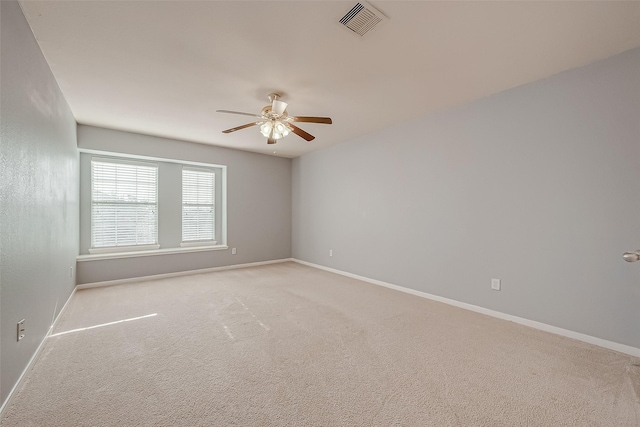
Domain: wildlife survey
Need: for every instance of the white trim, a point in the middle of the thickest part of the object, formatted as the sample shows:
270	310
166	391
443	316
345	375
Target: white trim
121	249
124	161
133	254
223	222
198	169
622	348
179	273
148	158
196	243
23	375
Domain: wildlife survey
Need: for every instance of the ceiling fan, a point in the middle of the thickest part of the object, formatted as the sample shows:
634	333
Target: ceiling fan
275	122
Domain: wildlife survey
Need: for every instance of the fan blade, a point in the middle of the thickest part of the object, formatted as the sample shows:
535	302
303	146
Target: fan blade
248	125
238	112
271	141
324	120
302	134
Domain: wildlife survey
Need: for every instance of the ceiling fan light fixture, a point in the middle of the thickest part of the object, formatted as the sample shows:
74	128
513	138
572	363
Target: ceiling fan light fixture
266	128
274	129
275	123
278	107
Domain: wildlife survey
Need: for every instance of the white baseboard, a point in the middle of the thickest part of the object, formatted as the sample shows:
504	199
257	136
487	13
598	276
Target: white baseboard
622	348
23	375
178	274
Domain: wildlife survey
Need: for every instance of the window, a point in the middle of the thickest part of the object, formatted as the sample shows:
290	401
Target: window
124	204
145	206
198	206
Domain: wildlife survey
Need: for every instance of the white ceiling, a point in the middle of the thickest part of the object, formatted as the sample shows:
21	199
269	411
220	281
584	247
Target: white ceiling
164	67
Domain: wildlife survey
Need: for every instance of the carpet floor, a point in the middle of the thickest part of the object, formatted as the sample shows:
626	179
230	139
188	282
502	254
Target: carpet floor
286	344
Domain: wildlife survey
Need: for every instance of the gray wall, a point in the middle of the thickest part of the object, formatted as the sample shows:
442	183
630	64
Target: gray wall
38	195
538	186
258	205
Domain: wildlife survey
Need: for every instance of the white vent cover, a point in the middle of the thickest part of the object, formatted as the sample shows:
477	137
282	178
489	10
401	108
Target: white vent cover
362	18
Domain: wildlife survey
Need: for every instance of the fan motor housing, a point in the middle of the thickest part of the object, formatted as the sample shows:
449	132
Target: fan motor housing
266	112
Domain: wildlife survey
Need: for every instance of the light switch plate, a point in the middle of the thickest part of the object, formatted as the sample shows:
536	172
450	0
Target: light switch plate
20	329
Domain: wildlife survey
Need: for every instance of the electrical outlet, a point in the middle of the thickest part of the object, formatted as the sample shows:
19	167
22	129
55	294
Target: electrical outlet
495	284
330	252
20	329
233	251
71	272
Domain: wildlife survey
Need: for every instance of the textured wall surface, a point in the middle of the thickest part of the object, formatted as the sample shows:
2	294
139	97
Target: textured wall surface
538	186
258	205
38	196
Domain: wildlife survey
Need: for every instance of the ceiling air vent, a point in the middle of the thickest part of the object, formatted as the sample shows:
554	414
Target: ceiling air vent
362	18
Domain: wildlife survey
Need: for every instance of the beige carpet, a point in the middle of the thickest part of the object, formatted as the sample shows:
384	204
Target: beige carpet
286	344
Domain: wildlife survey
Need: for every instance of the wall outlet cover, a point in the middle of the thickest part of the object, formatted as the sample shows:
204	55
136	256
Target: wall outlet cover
495	284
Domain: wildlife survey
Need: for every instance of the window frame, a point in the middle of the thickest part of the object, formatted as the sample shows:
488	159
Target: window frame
201	242
123	248
164	208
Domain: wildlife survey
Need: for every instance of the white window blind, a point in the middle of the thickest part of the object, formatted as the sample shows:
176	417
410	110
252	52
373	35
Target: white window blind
198	205
124	203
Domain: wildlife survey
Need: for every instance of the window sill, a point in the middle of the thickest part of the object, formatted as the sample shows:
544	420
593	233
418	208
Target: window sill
121	249
198	244
135	254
